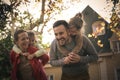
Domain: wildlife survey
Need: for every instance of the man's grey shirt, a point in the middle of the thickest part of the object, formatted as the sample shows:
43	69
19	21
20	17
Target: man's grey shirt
87	54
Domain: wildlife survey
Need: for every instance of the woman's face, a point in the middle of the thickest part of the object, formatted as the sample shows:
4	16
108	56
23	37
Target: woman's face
23	41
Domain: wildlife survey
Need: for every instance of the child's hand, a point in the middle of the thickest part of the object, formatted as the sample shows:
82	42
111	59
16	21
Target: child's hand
74	58
71	53
31	56
25	54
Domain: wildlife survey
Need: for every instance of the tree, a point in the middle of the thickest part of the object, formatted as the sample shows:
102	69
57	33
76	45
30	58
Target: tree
16	16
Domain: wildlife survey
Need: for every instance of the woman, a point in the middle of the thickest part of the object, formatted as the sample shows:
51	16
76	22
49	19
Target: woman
22	67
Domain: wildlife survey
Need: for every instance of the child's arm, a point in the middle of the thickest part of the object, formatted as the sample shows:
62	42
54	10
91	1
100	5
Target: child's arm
38	53
16	49
79	43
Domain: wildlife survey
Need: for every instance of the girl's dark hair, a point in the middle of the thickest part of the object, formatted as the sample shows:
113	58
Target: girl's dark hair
17	33
61	22
76	21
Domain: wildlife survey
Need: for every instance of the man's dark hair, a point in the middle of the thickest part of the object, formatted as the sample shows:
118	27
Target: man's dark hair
61	22
17	33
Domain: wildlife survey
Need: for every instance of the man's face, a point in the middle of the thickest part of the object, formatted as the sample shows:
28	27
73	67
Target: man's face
61	34
23	41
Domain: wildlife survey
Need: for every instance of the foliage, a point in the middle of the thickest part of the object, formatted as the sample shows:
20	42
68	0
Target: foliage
5	47
45	46
4	9
115	19
115	6
18	18
115	2
115	24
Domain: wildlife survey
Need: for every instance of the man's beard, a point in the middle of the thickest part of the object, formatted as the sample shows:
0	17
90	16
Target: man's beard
61	41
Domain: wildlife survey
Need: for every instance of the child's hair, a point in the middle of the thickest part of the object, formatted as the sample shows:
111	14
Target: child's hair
32	37
30	33
76	21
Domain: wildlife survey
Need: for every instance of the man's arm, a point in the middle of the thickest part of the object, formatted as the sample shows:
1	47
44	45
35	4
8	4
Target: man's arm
89	50
55	60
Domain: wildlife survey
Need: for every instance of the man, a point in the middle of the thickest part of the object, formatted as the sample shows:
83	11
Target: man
74	66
